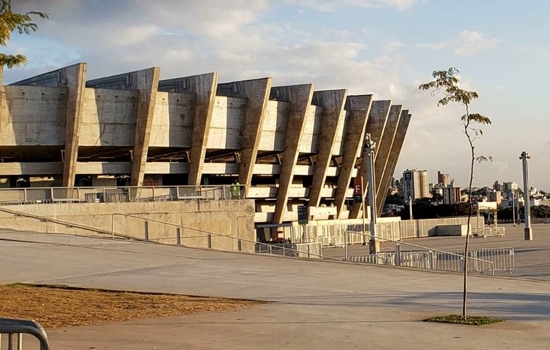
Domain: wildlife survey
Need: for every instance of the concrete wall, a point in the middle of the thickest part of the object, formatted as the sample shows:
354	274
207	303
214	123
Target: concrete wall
227	123
33	116
309	141
173	120
109	117
274	126
233	218
422	228
449	230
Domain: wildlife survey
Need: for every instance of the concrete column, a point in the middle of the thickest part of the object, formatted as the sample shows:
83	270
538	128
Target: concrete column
257	92
383	153
76	82
148	86
146	82
397	145
300	97
74	79
375	127
334	102
359	108
204	86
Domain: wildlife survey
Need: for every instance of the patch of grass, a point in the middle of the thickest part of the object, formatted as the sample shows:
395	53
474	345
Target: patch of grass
470	320
63	306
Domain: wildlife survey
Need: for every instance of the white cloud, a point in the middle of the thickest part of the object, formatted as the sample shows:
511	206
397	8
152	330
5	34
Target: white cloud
473	42
333	5
466	43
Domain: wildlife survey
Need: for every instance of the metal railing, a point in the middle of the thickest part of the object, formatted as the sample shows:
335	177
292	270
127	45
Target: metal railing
486	260
15	329
490	231
502	258
46	195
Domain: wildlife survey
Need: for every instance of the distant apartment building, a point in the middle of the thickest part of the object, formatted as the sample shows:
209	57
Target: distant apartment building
509	186
443	179
451	195
495	196
497	186
415	184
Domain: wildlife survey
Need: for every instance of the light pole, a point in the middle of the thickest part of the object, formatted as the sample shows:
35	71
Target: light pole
527	232
368	158
514	207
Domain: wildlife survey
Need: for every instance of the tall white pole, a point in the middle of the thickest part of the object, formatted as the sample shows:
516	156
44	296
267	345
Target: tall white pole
527	232
514	208
410	208
369	153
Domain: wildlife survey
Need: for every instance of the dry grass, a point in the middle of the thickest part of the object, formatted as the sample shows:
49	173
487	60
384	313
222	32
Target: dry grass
61	306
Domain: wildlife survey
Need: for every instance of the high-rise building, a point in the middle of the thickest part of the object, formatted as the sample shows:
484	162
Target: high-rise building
451	195
415	184
510	186
497	186
443	179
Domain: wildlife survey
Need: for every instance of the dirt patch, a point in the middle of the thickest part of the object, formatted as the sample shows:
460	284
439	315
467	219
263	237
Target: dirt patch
61	306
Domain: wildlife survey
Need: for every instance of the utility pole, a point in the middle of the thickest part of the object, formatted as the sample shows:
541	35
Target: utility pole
368	158
410	208
527	232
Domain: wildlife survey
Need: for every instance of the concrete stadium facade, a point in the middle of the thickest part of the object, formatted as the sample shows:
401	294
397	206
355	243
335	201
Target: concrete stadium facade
290	145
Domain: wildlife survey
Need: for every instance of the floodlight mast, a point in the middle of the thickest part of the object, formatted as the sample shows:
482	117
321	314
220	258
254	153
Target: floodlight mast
368	158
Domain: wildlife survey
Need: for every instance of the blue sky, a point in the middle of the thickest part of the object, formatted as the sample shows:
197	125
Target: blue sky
385	47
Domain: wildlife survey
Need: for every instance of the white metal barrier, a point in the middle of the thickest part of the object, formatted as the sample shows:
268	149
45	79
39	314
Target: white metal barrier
485	260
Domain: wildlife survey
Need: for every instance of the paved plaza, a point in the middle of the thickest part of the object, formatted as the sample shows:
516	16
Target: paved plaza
314	304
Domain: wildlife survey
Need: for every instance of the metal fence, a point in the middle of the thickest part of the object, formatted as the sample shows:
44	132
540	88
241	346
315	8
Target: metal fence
338	234
487	260
118	194
490	231
13	330
300	250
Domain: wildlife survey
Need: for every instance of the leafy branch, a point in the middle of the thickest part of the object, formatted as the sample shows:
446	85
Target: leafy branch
10	22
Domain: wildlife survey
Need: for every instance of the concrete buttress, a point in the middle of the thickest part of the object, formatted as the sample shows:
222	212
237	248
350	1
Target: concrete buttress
299	97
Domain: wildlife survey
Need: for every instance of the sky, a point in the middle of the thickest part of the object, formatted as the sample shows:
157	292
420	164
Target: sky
384	47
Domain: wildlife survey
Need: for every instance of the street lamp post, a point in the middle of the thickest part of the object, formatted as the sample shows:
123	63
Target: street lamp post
514	208
368	158
527	231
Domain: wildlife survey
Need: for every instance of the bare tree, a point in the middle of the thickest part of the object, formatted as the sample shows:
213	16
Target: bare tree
445	83
11	21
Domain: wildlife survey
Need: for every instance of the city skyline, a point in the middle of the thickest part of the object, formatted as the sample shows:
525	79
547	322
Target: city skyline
387	47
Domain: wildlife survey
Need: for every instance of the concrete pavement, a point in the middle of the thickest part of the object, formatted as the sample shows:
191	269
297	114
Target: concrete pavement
317	305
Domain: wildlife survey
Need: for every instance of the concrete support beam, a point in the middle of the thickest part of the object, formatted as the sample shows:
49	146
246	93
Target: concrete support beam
384	149
74	79
31	168
333	102
395	151
358	108
376	125
257	92
76	82
146	82
204	87
299	97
